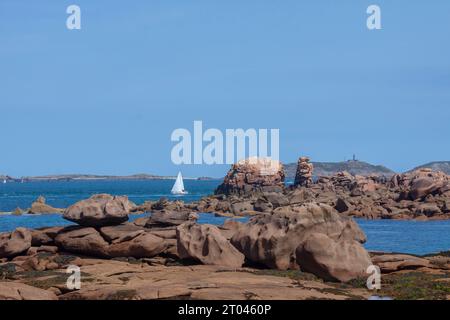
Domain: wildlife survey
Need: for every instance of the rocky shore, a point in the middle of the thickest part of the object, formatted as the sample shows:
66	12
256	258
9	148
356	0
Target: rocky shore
251	188
423	194
300	243
311	252
157	278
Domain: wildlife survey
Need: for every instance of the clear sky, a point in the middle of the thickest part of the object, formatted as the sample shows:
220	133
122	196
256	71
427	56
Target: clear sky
105	99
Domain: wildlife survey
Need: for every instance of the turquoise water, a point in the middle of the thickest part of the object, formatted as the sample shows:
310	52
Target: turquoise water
62	194
416	237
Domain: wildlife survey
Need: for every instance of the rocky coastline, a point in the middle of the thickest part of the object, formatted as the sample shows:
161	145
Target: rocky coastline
301	242
249	189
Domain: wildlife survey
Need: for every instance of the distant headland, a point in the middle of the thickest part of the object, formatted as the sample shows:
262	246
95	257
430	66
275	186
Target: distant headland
83	177
355	167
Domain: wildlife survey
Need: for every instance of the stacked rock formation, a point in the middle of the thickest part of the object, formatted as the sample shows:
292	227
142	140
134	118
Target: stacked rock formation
304	173
253	175
102	233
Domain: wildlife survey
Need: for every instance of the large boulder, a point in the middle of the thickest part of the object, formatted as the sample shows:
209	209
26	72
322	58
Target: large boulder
44	236
145	245
272	240
421	187
167	218
229	228
420	183
206	244
113	241
253	175
331	260
100	210
121	233
86	241
277	199
14	243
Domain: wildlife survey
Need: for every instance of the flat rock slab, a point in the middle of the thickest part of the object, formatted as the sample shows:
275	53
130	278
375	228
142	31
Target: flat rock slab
396	262
120	280
20	291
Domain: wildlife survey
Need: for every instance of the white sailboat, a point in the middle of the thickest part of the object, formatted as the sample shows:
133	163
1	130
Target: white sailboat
4	180
178	186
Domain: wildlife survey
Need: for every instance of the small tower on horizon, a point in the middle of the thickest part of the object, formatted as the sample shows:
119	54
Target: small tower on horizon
354	157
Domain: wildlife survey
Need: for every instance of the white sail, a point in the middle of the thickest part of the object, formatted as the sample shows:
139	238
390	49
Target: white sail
178	186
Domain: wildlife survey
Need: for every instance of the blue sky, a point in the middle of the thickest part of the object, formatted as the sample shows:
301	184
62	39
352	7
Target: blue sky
106	98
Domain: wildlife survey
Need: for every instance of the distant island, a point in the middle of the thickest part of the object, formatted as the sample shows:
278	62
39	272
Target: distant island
355	167
75	177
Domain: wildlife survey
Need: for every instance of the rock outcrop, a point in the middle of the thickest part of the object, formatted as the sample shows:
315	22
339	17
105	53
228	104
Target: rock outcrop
206	243
101	231
421	183
145	245
144	279
421	195
99	210
117	241
396	262
20	291
14	243
332	260
40	207
253	175
289	237
86	241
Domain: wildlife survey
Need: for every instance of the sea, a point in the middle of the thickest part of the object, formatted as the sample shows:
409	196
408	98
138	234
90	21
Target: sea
414	237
